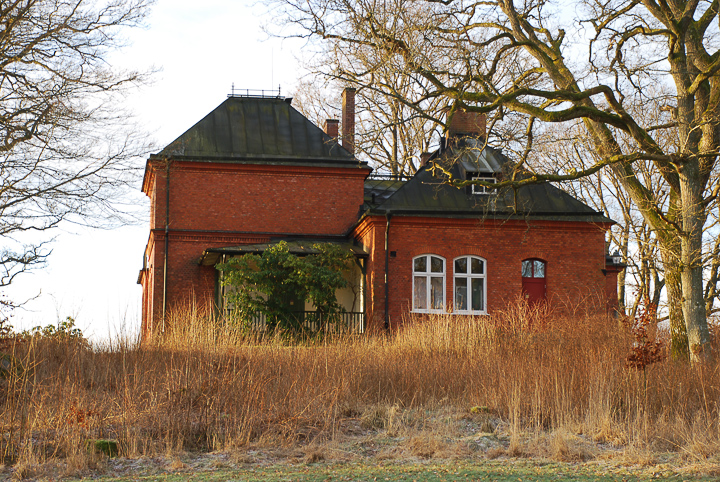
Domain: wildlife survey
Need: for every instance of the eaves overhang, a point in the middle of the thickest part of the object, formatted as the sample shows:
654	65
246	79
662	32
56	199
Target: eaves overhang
595	218
268	159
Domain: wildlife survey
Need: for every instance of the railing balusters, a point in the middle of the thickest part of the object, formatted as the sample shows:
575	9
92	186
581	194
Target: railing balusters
351	322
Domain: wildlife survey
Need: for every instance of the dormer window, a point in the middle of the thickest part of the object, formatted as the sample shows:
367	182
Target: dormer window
484	177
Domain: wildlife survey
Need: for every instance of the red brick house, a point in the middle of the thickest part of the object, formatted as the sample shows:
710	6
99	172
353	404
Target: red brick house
255	171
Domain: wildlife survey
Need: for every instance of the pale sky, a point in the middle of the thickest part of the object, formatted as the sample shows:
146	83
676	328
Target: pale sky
202	49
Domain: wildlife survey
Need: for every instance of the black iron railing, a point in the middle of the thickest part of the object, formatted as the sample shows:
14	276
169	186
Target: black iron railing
257	93
312	321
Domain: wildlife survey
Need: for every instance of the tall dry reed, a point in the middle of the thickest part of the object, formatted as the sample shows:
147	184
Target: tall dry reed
206	386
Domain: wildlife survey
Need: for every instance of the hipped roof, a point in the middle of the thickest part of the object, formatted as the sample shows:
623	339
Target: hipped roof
258	129
429	194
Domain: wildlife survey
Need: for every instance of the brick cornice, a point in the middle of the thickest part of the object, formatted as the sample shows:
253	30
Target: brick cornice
517	224
220	237
258	168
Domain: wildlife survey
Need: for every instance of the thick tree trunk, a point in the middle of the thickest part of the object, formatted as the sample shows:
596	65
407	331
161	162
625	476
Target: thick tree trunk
693	300
673	283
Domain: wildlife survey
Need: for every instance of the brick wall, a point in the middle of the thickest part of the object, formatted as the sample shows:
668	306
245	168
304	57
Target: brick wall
219	205
611	290
574	253
464	122
259	198
371	235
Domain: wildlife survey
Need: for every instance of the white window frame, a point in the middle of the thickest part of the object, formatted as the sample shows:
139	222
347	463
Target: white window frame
469	277
481	176
428	285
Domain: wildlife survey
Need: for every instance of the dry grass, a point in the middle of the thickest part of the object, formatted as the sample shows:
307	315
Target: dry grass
546	386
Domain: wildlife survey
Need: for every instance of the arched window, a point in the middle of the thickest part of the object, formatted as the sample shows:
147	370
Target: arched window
428	284
533	280
470	286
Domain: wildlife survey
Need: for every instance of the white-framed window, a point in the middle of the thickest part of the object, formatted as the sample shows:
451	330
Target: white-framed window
470	285
428	284
484	177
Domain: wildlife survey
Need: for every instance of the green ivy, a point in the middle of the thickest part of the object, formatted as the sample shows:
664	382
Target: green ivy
265	284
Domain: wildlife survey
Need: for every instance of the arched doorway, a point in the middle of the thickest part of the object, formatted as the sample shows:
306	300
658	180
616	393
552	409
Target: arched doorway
533	280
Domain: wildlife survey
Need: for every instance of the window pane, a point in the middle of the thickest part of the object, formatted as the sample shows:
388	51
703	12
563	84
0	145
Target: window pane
461	294
421	264
420	293
477	266
436	293
527	269
436	264
539	269
461	265
478	298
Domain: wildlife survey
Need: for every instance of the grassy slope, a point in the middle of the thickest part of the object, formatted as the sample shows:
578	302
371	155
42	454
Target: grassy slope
518	384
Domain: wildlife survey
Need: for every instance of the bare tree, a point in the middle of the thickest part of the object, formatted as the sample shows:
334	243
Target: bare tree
643	281
389	135
65	147
531	61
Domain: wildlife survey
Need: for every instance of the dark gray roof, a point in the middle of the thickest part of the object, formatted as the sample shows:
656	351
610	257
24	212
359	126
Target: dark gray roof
379	188
212	256
428	194
258	129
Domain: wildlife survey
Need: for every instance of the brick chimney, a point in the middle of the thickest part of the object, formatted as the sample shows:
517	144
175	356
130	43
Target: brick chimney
424	158
331	128
465	123
348	119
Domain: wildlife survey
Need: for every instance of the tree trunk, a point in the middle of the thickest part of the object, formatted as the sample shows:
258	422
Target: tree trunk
673	283
693	299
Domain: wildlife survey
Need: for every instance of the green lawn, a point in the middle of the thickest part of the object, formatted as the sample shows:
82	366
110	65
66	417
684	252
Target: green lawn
498	470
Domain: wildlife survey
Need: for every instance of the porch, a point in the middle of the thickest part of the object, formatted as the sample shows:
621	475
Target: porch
297	311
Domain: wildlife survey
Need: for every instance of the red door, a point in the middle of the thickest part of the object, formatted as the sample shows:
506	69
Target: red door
533	280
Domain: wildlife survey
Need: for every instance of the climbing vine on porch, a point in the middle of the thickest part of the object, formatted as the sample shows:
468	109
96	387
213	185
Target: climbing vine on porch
268	283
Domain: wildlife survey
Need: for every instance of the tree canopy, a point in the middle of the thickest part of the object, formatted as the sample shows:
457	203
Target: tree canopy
66	148
637	79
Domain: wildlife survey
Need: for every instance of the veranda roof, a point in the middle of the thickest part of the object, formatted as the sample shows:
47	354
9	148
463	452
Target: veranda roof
213	256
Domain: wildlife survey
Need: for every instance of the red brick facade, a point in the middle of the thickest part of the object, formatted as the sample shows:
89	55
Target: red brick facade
465	123
215	205
217	187
574	253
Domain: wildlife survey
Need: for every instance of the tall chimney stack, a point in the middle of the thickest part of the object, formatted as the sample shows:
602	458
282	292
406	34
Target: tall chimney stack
331	128
348	119
467	124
